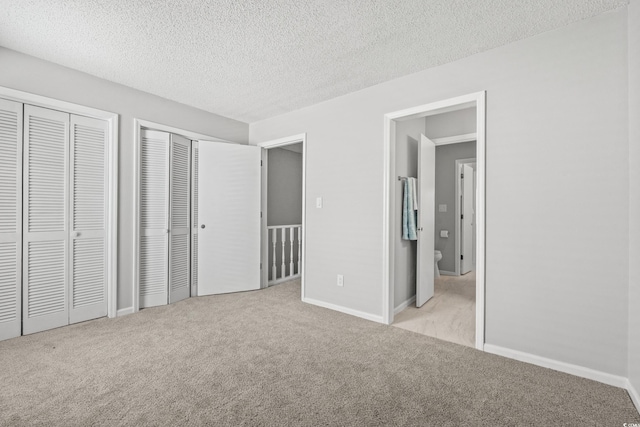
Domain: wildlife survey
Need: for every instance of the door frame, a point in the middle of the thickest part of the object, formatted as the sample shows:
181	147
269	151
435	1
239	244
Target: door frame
275	143
478	100
458	208
111	220
138	124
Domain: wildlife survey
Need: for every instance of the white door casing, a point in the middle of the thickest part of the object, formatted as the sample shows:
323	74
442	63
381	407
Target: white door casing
10	218
180	216
87	214
425	263
154	218
45	204
229	216
466	224
194	218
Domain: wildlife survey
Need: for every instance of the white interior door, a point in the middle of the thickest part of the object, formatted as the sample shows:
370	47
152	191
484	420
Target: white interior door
180	211
466	225
10	218
45	233
229	218
154	218
426	221
88	194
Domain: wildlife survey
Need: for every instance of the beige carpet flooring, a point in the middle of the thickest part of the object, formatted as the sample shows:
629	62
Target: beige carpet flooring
266	359
450	315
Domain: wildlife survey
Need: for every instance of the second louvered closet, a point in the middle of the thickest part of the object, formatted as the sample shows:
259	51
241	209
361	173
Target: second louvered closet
165	217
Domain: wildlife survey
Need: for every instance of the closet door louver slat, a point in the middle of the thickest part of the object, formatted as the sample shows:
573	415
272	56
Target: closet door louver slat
45	235
180	218
88	202
154	221
10	218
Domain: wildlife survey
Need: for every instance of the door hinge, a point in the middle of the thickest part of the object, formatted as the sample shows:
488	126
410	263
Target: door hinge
260	214
260	266
260	162
461	176
461	256
461	216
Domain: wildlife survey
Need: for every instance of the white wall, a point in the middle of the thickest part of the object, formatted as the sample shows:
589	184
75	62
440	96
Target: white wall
407	137
284	181
634	196
446	156
556	162
29	74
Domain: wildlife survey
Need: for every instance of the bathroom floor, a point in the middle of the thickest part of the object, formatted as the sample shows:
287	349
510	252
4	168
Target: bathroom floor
450	315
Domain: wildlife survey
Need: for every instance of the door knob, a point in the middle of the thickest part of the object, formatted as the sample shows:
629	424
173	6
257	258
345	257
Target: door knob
76	233
202	226
166	230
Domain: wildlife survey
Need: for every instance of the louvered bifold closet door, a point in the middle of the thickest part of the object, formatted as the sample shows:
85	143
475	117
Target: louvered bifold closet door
45	232
180	218
154	218
10	217
87	252
194	218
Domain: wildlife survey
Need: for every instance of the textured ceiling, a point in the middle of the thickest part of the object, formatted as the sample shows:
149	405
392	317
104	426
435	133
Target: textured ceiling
252	59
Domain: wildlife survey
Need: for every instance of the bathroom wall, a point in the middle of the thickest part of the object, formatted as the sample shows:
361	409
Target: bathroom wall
558	100
407	137
446	156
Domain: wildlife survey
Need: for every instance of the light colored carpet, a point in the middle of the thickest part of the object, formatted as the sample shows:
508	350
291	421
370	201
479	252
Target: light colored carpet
450	315
266	359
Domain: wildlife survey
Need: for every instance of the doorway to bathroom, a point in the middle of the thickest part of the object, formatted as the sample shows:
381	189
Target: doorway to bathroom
434	275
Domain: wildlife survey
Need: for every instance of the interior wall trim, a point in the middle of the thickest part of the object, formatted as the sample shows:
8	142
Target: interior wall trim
568	368
634	395
352	312
404	305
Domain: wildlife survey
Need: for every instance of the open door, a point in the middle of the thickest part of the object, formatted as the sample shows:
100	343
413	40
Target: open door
426	221
466	222
229	195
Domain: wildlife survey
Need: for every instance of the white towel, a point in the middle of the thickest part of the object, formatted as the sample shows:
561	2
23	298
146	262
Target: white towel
414	183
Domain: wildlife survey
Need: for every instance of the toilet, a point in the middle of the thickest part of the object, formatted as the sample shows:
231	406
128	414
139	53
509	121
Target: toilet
438	257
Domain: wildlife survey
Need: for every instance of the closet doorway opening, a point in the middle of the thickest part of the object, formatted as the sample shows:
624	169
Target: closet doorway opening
434	176
166	230
58	213
283	210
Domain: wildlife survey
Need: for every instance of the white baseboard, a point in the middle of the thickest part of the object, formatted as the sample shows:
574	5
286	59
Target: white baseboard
404	305
361	314
448	273
633	393
568	368
124	311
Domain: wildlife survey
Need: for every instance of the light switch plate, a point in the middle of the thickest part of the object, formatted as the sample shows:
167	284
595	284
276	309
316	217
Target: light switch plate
442	208
318	202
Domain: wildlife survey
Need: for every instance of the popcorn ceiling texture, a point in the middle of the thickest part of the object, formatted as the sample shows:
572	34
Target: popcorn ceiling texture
250	59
